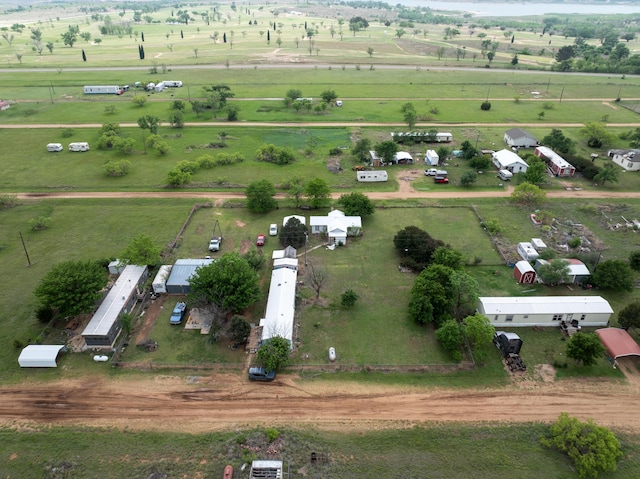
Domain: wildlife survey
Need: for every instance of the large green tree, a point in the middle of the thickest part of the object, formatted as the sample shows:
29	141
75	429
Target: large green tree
293	233
260	196
318	192
72	287
149	122
415	246
528	195
629	316
356	204
558	142
554	272
361	149
597	135
614	274
451	336
386	150
141	250
479	332
609	173
536	172
274	353
592	448
585	348
230	284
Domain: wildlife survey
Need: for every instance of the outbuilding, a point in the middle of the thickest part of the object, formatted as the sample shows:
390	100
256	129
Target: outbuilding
545	310
266	470
577	270
524	272
519	138
558	165
159	284
527	252
618	343
402	158
431	158
508	160
40	356
181	273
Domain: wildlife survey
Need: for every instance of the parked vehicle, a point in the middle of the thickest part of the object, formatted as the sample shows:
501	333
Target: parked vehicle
178	313
332	354
273	229
101	358
261	374
435	172
338	102
103	90
441	179
150	86
372	176
505	175
260	241
172	83
214	244
79	146
55	147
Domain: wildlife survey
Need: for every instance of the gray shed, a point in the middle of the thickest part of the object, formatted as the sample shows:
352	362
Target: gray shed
183	269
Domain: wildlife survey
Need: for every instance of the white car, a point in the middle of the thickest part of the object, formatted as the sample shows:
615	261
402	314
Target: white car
273	229
101	358
332	354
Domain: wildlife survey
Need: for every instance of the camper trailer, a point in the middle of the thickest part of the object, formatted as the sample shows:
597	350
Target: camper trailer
372	176
172	83
150	86
159	87
103	90
160	281
55	147
505	175
79	146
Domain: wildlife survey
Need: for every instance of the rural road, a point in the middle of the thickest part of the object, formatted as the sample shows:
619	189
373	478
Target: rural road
223	402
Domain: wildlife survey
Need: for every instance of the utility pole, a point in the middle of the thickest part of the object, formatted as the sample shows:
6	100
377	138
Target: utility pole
306	240
25	248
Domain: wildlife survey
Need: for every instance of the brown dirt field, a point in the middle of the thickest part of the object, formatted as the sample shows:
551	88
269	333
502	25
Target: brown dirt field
223	402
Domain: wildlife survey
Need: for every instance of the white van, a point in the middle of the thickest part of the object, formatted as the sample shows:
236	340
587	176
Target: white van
505	175
80	146
55	147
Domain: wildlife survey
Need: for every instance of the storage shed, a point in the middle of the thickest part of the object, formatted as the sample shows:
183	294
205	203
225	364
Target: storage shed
527	252
618	342
431	158
545	310
578	271
402	158
40	356
159	284
183	269
104	327
524	272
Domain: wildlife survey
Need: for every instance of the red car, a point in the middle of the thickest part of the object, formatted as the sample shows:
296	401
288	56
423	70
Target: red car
441	179
260	240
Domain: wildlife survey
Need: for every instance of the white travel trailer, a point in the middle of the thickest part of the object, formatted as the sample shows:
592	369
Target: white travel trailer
79	146
159	87
372	176
160	281
103	90
150	86
172	83
55	147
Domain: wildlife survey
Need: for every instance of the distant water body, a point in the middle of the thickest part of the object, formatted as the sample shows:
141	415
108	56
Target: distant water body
508	9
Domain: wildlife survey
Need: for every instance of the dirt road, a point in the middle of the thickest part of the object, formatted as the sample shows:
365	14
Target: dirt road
227	401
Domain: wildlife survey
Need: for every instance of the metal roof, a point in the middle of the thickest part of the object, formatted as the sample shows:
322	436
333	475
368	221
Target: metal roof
40	356
618	342
281	305
112	305
183	269
545	305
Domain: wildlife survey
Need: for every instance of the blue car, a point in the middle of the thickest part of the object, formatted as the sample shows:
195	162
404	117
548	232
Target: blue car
178	313
261	374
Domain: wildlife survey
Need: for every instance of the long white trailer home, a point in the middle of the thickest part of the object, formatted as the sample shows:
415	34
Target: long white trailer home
372	176
545	310
103	90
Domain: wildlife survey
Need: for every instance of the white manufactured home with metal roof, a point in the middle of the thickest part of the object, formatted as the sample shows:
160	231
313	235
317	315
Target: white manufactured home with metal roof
545	310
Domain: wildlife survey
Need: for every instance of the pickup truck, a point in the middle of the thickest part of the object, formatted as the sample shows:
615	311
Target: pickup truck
178	313
214	244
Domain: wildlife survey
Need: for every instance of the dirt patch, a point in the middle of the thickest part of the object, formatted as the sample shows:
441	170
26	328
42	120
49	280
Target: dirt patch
606	103
245	245
630	368
144	328
240	224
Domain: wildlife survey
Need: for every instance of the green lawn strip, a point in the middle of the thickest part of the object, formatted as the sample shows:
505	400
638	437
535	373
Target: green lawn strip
464	450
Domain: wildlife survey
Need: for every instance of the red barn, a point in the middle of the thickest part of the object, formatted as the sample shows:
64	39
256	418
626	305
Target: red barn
524	272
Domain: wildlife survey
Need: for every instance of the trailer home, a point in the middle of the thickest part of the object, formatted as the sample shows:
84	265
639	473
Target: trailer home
558	165
444	137
591	311
79	146
172	83
103	90
372	176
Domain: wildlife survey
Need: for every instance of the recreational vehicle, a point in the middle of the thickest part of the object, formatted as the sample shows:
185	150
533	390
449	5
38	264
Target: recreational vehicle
372	176
103	90
55	147
79	146
172	83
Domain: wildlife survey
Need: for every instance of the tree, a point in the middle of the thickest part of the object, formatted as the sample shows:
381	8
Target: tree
370	52
416	245
50	46
317	277
558	142
528	194
176	119
240	329
198	107
464	291
260	196
329	96
479	332
485	105
629	316
536	171
565	53
409	115
139	100
274	353
585	348
318	192
176	177
293	233
592	448
386	150
450	335
634	260
292	95
356	204
554	272
446	256
72	287
613	274
229	284
349	298
117	168
158	143
468	178
141	251
514	60
36	40
608	173
69	38
597	135
361	149
295	189
149	122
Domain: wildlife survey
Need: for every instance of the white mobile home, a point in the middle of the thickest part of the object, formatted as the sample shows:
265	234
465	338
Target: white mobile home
627	159
103	90
545	311
159	87
281	305
172	83
160	281
508	160
372	176
444	137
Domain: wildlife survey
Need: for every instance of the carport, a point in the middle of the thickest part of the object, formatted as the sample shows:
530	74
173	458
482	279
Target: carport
40	356
618	342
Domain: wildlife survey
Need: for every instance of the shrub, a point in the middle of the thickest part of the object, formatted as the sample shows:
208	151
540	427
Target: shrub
44	314
8	201
206	162
40	223
349	298
67	133
117	168
493	226
574	243
486	106
272	434
187	166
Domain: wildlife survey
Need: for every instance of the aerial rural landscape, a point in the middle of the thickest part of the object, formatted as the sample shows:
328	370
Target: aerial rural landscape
319	239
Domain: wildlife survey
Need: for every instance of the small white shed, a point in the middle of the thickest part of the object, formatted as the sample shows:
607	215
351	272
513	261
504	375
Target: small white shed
160	281
527	252
431	158
40	356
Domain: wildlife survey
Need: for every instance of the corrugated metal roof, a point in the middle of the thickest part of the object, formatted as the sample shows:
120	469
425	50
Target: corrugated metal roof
281	305
183	269
545	305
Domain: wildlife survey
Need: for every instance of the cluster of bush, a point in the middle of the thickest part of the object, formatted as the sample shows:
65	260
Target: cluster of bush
181	174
